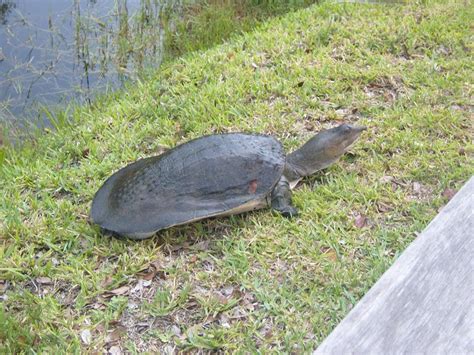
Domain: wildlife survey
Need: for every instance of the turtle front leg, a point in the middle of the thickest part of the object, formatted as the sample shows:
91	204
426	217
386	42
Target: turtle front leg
281	199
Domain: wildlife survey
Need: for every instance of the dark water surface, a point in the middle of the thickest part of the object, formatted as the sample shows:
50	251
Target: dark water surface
55	51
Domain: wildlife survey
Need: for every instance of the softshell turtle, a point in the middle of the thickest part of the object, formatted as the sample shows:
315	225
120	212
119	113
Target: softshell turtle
215	175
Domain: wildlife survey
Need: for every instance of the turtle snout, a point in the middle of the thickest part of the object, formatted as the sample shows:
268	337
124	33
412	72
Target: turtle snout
356	129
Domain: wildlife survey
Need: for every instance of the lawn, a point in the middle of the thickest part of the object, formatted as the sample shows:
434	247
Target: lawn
256	282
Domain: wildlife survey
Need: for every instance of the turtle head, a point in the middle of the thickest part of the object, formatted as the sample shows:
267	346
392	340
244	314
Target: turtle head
323	149
335	141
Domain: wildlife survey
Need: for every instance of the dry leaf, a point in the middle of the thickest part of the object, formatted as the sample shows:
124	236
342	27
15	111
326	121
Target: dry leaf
224	321
115	335
152	270
98	305
142	326
360	221
268	334
248	301
175	330
3	286
148	274
86	336
138	288
44	280
146	283
85	153
157	264
343	112
221	298
449	193
100	328
383	207
169	350
121	290
228	291
386	178
177	247
201	246
331	254
70	296
115	350
106	282
117	292
416	187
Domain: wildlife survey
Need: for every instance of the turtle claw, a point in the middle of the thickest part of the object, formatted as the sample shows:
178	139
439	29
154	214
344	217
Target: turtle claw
281	199
289	212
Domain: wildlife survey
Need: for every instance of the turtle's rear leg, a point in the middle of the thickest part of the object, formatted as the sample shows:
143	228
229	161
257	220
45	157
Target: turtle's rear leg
281	199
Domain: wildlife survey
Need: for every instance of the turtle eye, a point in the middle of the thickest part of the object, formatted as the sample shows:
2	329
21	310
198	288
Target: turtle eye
345	128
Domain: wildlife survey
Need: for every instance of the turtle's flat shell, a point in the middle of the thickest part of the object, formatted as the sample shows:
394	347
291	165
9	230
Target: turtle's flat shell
209	176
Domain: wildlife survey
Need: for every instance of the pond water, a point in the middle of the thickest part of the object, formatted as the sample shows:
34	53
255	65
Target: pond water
56	51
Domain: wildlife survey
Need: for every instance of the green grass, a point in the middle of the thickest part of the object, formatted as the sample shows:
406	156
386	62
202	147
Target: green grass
253	282
204	24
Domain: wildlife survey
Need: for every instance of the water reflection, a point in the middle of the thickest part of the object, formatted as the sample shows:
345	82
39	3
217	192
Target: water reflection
54	51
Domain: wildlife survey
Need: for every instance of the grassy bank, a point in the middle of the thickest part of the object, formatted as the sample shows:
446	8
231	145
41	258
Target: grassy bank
255	281
205	24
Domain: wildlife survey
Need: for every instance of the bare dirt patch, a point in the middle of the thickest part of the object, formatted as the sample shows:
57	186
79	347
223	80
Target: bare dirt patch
385	88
